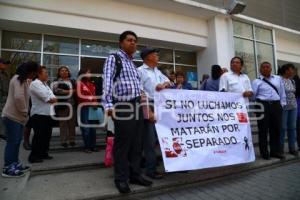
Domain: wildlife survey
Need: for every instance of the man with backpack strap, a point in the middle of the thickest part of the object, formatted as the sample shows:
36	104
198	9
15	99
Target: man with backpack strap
121	99
269	92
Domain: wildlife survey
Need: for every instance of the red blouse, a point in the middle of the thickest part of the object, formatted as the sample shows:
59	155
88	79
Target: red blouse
86	92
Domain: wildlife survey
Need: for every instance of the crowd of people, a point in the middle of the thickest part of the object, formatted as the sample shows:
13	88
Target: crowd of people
33	104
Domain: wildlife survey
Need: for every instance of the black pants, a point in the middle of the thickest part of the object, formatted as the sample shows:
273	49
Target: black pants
128	141
270	124
42	127
298	132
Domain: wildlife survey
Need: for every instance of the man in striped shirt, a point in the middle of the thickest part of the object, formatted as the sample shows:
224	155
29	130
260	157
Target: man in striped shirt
121	99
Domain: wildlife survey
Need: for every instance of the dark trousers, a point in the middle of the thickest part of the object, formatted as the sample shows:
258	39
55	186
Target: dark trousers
128	141
14	137
270	124
298	131
149	144
88	133
42	127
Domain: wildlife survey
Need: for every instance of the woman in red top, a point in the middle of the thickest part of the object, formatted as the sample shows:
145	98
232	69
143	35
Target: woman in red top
86	93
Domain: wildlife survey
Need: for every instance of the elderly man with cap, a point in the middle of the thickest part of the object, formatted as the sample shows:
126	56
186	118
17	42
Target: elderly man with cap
4	83
151	79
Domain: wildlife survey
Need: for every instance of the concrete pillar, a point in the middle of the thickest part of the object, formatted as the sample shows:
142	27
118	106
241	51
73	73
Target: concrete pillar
220	48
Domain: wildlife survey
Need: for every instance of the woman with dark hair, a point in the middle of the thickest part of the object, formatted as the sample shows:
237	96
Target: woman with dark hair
15	115
181	83
289	113
41	114
64	88
212	84
86	93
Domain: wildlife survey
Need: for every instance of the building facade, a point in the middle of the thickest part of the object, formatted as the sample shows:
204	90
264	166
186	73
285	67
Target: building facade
192	34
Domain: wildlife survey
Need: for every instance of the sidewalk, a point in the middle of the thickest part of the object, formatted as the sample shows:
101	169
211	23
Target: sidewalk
77	176
278	183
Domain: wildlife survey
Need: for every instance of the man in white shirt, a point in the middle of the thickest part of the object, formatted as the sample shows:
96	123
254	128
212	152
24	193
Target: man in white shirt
151	79
235	81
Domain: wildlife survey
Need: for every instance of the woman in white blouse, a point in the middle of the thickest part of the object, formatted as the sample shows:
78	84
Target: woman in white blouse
42	99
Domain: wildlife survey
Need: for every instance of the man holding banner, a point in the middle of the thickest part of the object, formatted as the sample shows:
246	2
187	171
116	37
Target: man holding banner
151	79
235	81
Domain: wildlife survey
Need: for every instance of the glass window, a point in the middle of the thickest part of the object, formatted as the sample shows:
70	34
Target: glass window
166	55
55	44
21	41
98	48
166	69
245	49
94	64
137	55
264	53
16	58
183	57
264	35
138	63
53	62
242	29
190	74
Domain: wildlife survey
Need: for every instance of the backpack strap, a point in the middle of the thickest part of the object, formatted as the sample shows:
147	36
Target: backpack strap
119	66
270	84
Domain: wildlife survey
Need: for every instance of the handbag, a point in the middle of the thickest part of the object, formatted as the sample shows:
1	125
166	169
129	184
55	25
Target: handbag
145	106
108	158
96	114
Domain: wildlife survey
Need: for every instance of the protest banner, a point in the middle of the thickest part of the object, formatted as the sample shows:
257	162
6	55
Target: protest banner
201	129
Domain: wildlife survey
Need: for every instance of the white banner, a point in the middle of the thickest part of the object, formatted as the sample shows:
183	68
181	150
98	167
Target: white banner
200	129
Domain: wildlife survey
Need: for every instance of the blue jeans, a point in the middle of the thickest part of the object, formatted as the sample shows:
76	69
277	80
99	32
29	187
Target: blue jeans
88	134
149	144
289	119
14	133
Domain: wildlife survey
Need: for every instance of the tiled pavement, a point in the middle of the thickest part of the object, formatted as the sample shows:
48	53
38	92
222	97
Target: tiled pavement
282	183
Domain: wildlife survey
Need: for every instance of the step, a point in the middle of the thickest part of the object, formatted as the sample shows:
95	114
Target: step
70	161
98	183
55	144
79	160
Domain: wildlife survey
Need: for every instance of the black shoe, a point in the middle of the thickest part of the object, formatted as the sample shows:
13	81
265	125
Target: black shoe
27	146
72	144
3	137
94	149
64	145
47	157
123	187
155	175
265	156
294	153
87	151
35	160
140	181
278	155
